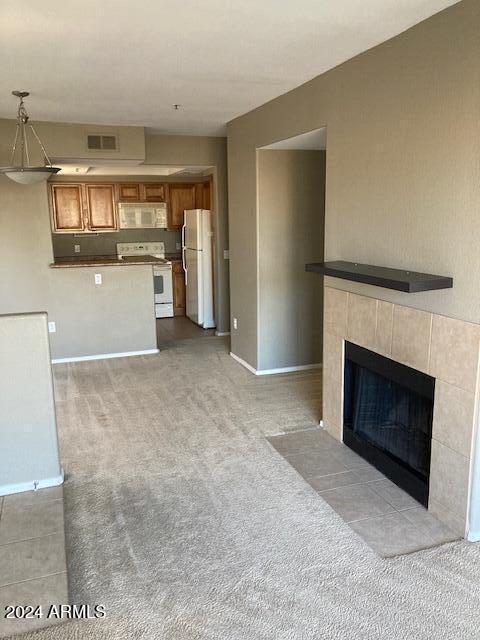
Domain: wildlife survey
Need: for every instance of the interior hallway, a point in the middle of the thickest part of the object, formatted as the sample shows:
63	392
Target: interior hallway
186	524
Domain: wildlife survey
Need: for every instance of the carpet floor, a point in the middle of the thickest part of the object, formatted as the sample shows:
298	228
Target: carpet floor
186	524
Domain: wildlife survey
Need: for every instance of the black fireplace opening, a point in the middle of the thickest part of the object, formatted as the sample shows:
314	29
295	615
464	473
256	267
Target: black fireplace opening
388	416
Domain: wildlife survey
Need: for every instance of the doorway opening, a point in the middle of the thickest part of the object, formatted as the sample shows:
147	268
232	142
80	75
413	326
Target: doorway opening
291	228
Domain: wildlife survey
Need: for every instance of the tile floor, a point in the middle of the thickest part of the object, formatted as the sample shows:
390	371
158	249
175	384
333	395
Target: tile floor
33	569
172	330
389	520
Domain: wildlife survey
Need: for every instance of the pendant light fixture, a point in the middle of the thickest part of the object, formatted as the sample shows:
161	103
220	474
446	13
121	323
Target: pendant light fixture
20	171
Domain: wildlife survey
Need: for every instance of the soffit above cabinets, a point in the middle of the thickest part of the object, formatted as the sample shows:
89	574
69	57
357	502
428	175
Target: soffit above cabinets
123	169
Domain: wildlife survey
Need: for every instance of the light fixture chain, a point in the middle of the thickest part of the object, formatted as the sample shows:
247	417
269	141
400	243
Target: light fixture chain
41	145
12	159
27	155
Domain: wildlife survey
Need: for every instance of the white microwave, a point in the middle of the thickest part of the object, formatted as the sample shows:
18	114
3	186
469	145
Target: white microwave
142	216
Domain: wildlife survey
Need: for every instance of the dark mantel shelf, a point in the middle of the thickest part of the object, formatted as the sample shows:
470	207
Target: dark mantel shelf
409	281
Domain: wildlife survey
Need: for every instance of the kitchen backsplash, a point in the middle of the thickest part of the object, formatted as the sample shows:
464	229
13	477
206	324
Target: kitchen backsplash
105	244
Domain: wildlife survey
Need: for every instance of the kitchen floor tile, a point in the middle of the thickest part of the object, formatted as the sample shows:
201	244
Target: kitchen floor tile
392	534
42	591
23	523
315	463
393	494
356	501
30	559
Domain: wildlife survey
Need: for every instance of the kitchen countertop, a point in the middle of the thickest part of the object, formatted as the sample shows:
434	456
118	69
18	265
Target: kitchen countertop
106	261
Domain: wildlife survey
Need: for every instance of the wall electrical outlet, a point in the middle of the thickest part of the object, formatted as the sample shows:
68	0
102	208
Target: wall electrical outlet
76	248
98	278
226	254
52	327
235	323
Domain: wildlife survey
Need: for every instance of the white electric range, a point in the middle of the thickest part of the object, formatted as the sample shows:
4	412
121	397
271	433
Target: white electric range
162	273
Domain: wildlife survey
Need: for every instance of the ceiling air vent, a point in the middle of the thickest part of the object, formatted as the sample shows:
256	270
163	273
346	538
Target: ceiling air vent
101	142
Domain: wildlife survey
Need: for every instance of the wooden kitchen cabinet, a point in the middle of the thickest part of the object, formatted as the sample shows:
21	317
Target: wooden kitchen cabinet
67	207
100	200
181	197
179	293
128	192
153	192
202	195
83	207
142	192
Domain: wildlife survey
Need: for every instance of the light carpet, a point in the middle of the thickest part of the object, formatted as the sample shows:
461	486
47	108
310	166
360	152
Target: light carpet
185	523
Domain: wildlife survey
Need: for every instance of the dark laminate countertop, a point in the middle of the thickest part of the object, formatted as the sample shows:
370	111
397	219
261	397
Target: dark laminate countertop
104	261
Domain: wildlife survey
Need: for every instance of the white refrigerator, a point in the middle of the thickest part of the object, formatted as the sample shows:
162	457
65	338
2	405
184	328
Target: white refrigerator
197	263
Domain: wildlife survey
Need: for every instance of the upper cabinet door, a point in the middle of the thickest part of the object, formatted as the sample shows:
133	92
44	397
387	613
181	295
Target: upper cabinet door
67	207
101	207
129	192
182	196
153	192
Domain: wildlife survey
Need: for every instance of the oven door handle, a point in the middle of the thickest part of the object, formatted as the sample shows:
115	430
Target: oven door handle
184	248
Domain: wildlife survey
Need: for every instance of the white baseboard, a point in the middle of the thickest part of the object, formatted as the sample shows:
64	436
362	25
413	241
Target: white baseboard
302	367
244	364
9	489
473	536
269	372
222	333
106	356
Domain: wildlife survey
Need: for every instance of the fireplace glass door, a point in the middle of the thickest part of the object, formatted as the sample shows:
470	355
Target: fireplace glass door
388	415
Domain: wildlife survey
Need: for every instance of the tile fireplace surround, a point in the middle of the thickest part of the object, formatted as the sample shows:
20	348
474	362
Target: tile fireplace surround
446	349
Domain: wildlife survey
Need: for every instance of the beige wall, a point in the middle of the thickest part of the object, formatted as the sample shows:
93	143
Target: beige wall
117	316
211	151
28	432
403	161
69	141
291	206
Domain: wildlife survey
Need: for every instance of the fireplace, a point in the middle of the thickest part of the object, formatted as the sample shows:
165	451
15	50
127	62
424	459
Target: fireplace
388	416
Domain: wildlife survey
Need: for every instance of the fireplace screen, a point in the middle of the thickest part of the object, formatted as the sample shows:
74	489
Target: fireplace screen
388	414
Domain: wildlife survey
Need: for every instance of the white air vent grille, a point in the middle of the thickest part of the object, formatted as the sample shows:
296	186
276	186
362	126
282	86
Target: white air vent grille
101	142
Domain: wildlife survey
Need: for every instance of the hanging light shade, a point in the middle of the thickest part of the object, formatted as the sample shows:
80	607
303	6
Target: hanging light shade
20	170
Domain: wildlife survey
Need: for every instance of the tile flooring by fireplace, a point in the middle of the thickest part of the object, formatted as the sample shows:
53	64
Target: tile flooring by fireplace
387	518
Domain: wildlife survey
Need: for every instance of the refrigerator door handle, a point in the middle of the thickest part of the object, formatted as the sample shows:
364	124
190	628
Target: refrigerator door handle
184	248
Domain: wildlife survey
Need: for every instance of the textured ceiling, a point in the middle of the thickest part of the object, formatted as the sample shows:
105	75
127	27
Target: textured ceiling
125	62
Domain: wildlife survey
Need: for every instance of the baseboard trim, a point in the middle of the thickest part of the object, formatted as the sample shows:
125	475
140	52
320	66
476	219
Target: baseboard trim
302	367
270	372
244	363
106	356
21	487
222	333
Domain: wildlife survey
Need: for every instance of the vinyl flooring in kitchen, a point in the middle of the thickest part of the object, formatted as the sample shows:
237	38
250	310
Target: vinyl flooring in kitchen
173	330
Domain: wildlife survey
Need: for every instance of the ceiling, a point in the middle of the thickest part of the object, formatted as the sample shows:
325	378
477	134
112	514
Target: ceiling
123	62
315	140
